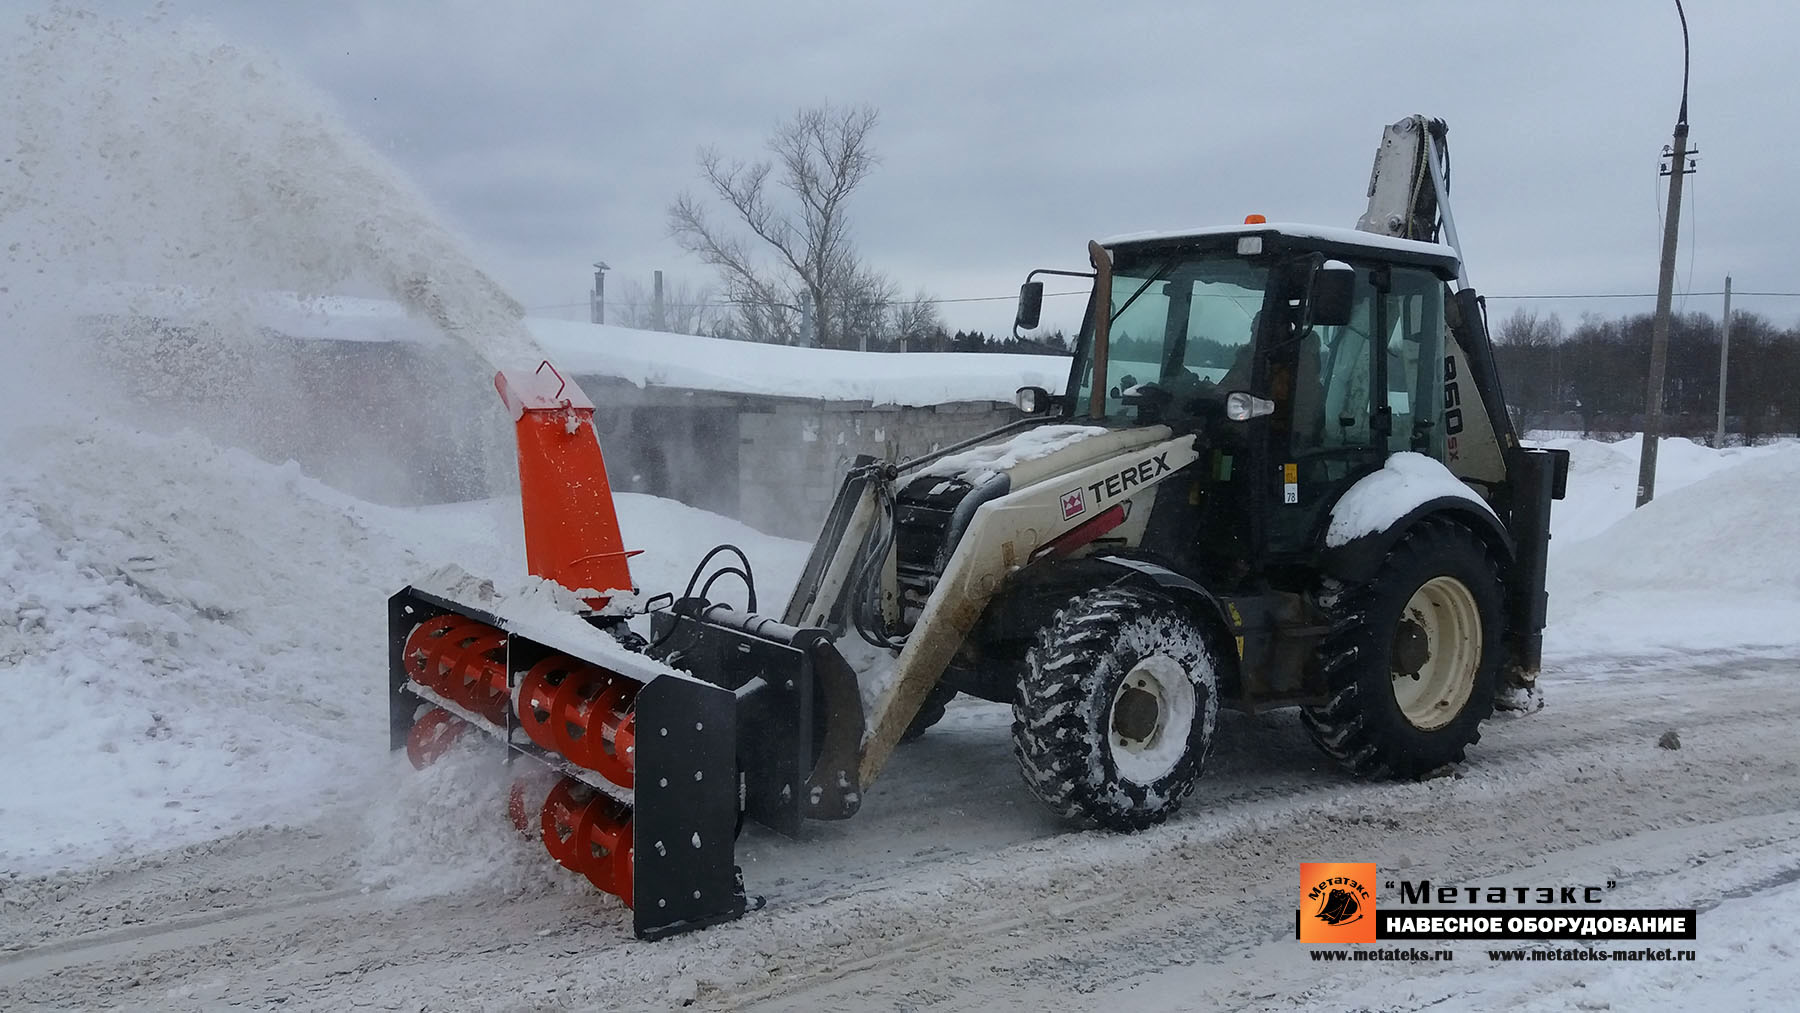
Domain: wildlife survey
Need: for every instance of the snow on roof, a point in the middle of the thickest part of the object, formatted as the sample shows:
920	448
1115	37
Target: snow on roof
644	358
658	359
1293	230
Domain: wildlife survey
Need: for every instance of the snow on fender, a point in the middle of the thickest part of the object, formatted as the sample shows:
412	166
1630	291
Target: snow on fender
1376	502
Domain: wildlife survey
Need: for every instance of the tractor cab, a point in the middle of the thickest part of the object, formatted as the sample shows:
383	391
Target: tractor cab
1301	357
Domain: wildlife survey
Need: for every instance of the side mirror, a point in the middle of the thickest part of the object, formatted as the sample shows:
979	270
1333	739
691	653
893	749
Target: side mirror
1333	290
1032	400
1031	305
1242	406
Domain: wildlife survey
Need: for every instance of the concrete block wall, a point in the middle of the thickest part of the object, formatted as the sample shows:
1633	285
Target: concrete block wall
792	455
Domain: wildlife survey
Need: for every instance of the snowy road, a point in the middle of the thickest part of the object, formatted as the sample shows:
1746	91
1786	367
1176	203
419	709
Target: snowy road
952	890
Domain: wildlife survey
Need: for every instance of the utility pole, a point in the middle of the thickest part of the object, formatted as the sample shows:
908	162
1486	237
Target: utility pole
1724	360
658	322
1677	168
597	307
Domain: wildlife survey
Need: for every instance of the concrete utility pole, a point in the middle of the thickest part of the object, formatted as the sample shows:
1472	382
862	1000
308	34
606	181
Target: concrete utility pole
597	308
658	322
1724	360
1677	168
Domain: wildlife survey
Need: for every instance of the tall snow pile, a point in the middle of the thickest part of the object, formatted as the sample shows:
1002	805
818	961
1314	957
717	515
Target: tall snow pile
189	637
1712	562
1603	477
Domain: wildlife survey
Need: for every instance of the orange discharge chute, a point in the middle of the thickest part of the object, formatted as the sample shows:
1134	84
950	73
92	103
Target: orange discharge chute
571	527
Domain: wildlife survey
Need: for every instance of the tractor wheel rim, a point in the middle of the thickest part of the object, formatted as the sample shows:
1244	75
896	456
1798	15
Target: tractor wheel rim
1443	610
1148	723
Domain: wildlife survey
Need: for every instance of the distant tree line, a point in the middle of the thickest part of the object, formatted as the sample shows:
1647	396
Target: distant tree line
1592	378
940	340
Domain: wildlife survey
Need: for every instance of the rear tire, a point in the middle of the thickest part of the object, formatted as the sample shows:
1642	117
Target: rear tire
1116	709
1413	657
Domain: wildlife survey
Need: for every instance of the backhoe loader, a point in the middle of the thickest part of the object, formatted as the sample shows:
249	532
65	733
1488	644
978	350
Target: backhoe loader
1282	474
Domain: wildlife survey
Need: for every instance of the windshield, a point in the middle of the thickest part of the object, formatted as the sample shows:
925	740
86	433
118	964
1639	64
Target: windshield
1182	322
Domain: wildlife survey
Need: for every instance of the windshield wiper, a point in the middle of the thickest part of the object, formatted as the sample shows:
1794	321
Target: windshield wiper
1167	265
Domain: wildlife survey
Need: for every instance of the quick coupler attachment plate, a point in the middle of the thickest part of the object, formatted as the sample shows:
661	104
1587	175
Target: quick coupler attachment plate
799	711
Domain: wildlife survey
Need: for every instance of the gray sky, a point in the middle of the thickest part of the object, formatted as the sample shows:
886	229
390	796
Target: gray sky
554	134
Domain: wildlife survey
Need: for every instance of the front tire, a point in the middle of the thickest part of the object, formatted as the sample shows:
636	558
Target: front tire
1116	710
1413	657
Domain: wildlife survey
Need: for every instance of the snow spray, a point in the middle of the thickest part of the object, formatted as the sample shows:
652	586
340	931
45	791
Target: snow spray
149	163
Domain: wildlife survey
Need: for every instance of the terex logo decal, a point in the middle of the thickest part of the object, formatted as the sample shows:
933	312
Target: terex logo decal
1138	474
1073	503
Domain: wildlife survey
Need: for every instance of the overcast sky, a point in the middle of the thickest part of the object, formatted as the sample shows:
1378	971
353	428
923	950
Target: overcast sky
555	134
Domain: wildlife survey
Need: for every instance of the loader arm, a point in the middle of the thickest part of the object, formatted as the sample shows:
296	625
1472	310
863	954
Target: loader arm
819	594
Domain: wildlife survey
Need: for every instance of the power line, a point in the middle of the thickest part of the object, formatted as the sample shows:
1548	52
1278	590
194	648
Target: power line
1009	298
1645	295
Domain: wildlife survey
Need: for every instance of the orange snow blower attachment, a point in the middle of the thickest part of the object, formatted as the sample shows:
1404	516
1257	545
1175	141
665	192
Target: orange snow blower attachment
641	792
638	788
649	754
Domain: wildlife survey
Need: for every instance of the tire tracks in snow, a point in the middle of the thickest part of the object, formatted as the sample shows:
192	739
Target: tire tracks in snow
913	906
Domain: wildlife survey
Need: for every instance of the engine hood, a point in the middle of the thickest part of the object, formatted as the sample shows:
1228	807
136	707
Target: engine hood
1044	452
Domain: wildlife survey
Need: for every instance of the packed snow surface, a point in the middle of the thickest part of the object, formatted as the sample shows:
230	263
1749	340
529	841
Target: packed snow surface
1374	503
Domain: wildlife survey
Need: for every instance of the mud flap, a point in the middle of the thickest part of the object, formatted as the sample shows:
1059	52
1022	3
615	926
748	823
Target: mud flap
647	804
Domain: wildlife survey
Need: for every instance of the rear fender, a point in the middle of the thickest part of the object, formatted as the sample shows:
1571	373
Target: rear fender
1370	517
1360	558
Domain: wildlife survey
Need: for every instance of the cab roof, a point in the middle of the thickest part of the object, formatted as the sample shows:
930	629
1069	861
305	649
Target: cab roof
1343	242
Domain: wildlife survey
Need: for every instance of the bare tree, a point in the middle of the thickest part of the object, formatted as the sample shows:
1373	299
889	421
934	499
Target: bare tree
818	291
686	310
916	321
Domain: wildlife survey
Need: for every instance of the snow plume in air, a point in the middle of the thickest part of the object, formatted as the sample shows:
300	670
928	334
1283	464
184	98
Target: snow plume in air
163	186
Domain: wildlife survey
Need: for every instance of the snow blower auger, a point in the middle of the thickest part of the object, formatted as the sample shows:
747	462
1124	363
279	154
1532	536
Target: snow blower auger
640	770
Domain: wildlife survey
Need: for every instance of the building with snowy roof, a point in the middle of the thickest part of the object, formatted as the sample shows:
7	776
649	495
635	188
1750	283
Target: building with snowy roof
762	433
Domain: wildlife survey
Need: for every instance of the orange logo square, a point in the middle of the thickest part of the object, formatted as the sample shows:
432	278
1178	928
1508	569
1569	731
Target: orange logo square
1337	902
